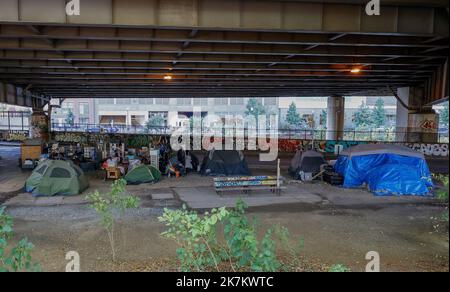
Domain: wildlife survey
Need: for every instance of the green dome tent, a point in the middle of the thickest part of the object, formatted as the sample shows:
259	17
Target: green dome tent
143	174
56	177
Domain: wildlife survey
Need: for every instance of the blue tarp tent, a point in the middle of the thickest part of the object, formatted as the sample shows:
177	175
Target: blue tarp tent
386	169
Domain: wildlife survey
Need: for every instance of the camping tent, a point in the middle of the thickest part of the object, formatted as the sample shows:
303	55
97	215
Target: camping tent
386	169
56	177
306	161
142	174
224	163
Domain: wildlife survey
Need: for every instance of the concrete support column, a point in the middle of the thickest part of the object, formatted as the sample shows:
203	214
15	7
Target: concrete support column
402	114
415	122
335	117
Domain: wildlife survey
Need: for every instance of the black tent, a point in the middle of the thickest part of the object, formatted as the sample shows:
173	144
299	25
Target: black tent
224	163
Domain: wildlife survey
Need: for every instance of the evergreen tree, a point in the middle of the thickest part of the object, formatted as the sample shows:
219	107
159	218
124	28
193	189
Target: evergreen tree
292	117
363	117
255	108
323	118
443	116
155	121
70	119
379	114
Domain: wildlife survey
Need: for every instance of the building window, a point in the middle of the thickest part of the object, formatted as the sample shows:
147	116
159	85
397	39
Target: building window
84	108
220	101
270	101
146	101
184	101
123	101
106	101
201	101
67	107
161	101
236	101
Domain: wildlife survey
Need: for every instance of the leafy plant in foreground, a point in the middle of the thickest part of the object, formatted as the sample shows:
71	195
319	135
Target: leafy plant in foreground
19	258
106	204
196	237
243	243
441	222
199	248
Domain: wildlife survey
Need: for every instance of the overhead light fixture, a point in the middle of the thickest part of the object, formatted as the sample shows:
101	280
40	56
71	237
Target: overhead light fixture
167	77
355	70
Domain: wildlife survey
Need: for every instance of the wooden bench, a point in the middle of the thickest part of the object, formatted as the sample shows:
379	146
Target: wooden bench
246	184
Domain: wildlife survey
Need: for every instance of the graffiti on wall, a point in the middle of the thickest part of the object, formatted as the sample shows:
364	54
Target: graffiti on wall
17	136
438	150
285	145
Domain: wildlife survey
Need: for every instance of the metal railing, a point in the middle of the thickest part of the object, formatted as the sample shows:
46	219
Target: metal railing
348	135
15	120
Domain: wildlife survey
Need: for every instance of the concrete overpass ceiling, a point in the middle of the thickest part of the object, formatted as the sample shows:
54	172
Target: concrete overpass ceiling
214	48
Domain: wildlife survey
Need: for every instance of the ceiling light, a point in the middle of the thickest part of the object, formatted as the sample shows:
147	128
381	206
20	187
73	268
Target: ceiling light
355	70
167	77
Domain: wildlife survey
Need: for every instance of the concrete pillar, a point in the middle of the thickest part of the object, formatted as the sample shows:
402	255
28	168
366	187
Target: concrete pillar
402	115
39	125
415	122
335	118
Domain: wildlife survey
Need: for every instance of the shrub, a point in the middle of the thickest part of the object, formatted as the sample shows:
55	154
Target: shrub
442	194
199	248
19	258
243	244
106	204
195	236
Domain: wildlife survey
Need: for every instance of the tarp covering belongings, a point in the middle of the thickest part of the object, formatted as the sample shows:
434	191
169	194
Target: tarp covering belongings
225	163
306	161
56	177
386	169
143	174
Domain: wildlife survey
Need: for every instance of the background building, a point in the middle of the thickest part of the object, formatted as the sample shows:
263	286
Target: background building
174	111
83	110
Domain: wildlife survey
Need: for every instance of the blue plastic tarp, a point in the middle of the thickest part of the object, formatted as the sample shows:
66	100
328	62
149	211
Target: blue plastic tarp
386	174
397	180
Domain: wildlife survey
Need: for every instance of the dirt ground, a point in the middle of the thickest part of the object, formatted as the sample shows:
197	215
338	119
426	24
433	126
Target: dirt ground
402	234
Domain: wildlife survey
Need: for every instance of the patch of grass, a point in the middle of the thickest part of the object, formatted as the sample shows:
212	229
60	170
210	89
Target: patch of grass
339	268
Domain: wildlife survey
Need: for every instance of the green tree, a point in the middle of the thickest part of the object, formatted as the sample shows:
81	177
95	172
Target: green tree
363	117
155	121
108	204
292	117
443	115
323	118
379	114
70	119
255	108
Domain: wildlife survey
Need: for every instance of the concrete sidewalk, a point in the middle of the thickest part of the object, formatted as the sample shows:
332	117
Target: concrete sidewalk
12	178
207	198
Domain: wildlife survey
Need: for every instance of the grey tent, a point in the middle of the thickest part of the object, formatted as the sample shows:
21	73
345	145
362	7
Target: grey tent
306	161
225	163
56	177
